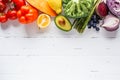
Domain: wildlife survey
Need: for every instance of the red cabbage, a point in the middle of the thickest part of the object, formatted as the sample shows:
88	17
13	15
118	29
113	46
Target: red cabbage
114	7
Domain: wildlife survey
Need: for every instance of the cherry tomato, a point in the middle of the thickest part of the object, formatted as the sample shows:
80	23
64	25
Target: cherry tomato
12	14
3	17
27	14
23	20
6	1
2	6
24	9
18	3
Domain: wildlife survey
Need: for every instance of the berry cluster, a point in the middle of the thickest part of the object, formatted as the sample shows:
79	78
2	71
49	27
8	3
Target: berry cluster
94	21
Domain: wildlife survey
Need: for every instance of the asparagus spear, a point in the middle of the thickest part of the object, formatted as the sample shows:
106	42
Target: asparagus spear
81	24
89	17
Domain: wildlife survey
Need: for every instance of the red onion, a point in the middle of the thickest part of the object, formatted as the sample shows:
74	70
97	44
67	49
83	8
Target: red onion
111	23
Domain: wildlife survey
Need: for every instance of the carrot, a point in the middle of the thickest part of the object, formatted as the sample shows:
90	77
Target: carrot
43	6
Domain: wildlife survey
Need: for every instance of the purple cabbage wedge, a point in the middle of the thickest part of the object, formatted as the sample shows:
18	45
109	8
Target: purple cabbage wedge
114	7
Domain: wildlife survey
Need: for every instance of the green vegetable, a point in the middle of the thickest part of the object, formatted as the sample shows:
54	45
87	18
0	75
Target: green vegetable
81	23
77	8
63	23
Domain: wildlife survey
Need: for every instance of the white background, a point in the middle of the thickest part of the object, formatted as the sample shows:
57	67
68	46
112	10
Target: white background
27	53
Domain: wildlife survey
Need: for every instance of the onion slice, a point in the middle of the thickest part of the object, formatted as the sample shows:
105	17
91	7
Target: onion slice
111	23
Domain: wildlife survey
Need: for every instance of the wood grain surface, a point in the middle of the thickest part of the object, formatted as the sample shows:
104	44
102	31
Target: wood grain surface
27	53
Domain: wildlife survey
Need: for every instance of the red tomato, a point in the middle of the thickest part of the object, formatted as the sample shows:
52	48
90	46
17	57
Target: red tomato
18	3
2	6
12	14
3	17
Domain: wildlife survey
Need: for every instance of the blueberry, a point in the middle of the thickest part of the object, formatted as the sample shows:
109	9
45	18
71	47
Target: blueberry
97	28
91	22
94	25
95	20
94	16
98	17
89	26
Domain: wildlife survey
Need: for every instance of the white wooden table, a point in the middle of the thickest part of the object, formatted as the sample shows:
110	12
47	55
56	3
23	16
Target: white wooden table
27	53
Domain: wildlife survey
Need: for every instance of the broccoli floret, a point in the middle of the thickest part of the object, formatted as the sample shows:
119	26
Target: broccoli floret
77	8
